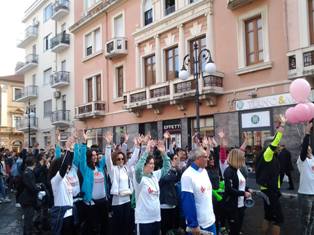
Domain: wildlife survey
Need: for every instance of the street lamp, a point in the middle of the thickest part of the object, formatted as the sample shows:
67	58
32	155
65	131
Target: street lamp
210	67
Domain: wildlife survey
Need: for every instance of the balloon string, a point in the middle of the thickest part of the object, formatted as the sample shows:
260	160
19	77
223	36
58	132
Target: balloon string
298	132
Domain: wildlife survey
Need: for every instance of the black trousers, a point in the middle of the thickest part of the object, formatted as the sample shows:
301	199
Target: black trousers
28	212
121	217
150	229
235	220
169	220
67	226
96	218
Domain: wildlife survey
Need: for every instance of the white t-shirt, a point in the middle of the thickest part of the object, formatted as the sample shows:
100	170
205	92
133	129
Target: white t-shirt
62	192
123	187
147	199
306	169
197	182
74	180
99	185
242	183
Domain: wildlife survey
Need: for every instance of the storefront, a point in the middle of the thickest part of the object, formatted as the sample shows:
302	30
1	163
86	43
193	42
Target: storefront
206	126
174	127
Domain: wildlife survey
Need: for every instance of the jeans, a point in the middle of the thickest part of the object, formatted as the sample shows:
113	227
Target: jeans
306	210
2	188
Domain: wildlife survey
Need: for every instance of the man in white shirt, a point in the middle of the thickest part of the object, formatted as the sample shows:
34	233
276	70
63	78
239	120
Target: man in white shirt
196	195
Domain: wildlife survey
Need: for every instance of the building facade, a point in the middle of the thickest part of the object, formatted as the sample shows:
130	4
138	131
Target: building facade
48	70
11	112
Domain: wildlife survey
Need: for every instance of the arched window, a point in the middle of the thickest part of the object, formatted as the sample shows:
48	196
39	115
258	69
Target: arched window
148	12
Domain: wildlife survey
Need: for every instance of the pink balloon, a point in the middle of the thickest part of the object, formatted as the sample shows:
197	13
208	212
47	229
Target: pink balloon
303	112
290	116
300	90
311	106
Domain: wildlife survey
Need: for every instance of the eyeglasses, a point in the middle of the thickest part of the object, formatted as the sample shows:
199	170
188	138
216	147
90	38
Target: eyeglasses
119	159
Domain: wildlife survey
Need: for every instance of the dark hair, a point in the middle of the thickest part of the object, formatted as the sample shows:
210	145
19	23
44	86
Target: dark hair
115	155
89	159
149	157
171	155
29	161
54	167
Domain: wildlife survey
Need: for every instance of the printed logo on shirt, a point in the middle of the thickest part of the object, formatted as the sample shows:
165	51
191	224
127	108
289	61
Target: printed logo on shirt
242	182
72	181
312	168
202	189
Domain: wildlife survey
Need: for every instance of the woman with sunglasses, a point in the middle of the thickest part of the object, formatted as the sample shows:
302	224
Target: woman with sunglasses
120	173
147	211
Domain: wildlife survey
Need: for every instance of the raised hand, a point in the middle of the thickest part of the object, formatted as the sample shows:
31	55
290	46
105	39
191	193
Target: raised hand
147	138
84	135
161	146
167	135
245	136
150	146
137	141
108	137
205	141
126	137
213	142
221	134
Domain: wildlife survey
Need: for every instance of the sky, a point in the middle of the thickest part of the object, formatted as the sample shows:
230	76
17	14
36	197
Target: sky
12	30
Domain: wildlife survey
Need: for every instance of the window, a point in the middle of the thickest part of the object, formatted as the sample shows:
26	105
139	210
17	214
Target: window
172	63
47	74
119	81
47	108
170	6
93	84
118	26
34	79
17	93
15	120
48	12
201	43
311	19
46	42
92	42
254	40
150	70
148	12
90	3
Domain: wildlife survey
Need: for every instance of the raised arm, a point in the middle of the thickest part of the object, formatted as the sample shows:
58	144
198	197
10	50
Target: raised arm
306	141
136	150
139	167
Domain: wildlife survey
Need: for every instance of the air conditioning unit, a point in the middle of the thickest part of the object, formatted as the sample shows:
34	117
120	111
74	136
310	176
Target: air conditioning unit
57	94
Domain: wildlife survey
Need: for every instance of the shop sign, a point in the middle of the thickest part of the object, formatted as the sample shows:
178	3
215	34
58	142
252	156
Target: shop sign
268	101
255	119
172	126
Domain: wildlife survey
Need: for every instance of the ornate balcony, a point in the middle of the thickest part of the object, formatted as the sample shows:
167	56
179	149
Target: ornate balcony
60	118
28	92
90	110
31	33
60	42
234	4
59	79
301	62
174	92
116	47
60	9
27	125
31	61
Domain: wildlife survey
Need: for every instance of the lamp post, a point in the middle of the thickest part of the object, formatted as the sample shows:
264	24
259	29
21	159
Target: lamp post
29	123
209	68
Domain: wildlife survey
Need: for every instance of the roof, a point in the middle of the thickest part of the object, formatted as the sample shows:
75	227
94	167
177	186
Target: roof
13	78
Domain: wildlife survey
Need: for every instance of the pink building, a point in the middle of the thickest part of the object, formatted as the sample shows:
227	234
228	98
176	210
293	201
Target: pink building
128	55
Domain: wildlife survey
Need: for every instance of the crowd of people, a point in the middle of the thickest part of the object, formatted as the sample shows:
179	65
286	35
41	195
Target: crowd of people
151	187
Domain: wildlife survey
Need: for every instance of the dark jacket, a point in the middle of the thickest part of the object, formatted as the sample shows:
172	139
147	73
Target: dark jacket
284	158
231	188
213	174
168	193
29	189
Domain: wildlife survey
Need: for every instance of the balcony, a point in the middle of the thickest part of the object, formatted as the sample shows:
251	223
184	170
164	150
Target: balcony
31	33
90	110
60	42
116	47
301	62
28	92
31	61
174	92
27	125
61	8
234	4
59	79
60	118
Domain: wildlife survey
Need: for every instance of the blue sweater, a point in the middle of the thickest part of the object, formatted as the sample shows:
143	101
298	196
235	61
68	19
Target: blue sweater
88	173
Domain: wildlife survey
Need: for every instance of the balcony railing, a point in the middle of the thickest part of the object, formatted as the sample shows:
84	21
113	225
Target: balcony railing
234	4
92	109
116	47
60	118
60	42
59	79
31	61
173	91
31	33
170	9
27	125
301	62
28	92
60	9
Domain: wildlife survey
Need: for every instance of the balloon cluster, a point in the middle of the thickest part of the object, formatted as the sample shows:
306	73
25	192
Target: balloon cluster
300	91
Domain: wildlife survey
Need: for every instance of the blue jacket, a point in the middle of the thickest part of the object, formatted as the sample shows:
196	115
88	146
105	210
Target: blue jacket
88	173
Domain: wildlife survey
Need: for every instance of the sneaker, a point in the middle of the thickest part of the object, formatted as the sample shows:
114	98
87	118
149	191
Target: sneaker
7	200
17	205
